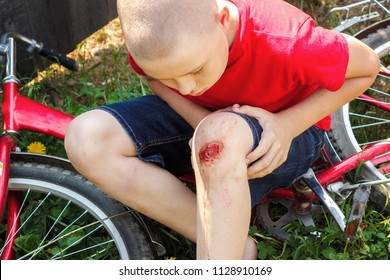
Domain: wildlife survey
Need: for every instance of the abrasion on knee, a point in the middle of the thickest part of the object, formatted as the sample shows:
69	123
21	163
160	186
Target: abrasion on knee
210	152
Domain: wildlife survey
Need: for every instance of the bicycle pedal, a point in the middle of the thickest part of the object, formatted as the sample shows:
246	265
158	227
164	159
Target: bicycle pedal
325	198
359	203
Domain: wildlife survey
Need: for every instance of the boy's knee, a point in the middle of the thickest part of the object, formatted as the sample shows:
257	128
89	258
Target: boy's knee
221	135
81	134
76	133
218	125
224	126
73	131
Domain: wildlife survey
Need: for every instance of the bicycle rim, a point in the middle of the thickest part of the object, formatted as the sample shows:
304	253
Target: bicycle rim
361	123
65	218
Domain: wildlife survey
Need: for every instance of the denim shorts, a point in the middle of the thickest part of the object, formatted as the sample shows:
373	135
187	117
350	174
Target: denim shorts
161	137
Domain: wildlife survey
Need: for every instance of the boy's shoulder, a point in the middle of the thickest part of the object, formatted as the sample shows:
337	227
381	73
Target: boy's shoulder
271	16
276	6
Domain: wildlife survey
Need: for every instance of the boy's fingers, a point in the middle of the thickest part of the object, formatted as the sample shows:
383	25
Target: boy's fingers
265	165
248	110
259	151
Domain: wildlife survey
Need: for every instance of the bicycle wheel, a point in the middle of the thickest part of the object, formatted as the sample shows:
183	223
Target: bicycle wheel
63	216
361	123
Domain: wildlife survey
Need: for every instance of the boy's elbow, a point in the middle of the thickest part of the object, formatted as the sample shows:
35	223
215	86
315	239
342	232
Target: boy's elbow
373	64
363	61
370	68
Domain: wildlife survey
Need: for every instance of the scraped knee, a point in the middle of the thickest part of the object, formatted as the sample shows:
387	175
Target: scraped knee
219	137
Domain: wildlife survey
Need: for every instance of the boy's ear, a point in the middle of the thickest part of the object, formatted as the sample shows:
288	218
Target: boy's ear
223	17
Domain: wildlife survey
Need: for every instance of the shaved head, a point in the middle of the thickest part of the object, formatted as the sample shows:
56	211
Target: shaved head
152	28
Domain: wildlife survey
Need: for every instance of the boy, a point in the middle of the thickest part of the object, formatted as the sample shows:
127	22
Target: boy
218	54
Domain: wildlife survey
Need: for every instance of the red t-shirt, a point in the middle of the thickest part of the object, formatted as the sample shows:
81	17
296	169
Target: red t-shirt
277	59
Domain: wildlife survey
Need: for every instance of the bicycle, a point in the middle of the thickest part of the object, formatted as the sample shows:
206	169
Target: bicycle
71	215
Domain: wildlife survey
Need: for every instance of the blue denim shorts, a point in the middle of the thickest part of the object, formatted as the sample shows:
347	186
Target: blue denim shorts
161	136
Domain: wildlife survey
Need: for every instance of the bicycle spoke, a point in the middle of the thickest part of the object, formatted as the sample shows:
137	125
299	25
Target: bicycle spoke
69	226
52	227
77	241
72	232
101	251
370	117
370	124
28	218
86	249
363	144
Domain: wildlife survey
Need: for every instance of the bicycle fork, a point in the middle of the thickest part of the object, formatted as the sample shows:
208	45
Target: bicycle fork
17	113
7	143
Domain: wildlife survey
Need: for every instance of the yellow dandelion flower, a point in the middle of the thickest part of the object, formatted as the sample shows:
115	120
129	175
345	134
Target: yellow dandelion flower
171	258
36	147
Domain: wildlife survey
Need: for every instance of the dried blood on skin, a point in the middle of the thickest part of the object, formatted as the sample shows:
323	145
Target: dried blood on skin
210	152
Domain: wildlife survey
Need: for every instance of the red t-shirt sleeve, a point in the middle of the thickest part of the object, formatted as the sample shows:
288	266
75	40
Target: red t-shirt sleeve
320	57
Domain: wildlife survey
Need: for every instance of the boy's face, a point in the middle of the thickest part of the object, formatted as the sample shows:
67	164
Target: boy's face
194	65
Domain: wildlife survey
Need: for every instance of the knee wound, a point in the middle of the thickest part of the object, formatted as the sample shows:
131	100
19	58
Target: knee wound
210	152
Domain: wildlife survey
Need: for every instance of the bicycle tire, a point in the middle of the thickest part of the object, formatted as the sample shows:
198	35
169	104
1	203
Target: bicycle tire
344	133
72	202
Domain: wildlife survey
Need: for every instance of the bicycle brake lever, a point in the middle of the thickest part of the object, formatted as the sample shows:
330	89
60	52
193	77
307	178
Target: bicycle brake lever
3	52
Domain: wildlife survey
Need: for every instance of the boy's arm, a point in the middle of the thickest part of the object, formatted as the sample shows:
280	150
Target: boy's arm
281	128
188	110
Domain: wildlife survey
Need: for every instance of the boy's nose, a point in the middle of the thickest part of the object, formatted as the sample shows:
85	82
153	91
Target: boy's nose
186	85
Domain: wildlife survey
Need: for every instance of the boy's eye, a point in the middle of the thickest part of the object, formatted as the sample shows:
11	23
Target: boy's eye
198	71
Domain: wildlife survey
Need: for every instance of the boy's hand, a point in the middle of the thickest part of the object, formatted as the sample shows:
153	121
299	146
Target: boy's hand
274	145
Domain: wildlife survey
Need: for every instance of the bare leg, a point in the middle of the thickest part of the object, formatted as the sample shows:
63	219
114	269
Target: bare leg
219	146
99	149
250	252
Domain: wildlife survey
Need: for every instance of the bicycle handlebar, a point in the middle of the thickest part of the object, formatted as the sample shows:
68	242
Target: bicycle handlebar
59	58
38	47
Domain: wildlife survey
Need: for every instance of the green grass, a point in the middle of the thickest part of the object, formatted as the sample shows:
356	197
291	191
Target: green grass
105	77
